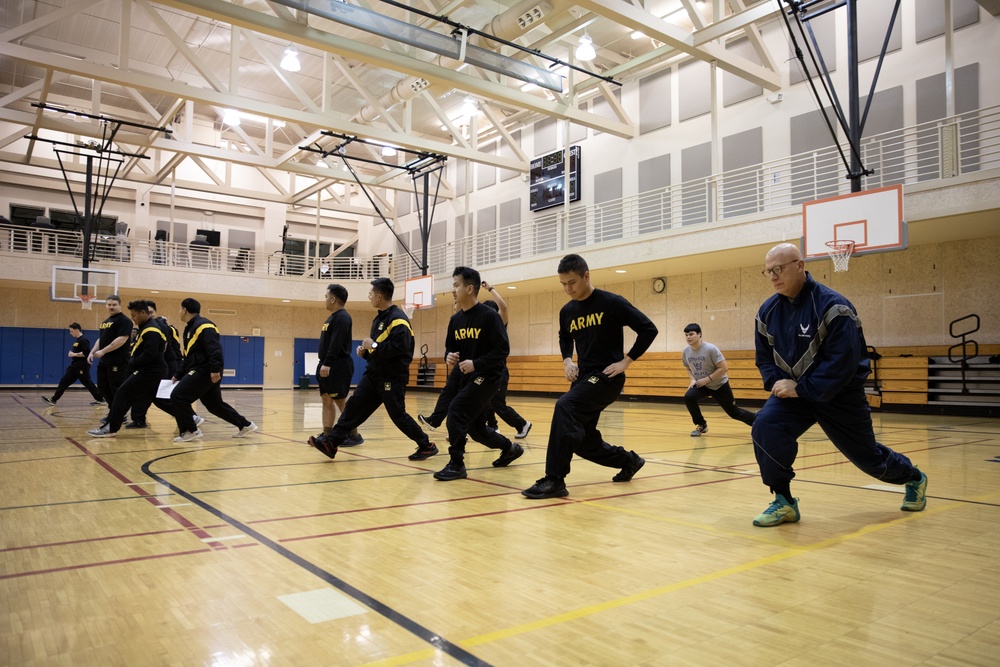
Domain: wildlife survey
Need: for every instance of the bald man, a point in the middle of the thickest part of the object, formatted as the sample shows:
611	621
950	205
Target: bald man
813	358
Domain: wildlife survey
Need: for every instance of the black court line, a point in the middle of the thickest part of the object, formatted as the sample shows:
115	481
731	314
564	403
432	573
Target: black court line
432	638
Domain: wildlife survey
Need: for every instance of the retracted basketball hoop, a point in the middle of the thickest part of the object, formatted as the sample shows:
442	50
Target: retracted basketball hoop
840	253
86	301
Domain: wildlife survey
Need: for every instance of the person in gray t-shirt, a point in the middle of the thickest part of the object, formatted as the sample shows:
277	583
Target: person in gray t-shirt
707	368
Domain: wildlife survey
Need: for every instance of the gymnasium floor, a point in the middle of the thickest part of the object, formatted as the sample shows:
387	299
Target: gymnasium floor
140	551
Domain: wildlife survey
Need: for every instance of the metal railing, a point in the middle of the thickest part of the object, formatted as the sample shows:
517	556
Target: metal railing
58	244
941	149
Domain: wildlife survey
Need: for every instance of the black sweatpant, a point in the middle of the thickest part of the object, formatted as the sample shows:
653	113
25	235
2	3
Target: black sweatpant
72	374
448	392
465	418
498	408
196	385
574	425
135	388
724	396
110	377
367	397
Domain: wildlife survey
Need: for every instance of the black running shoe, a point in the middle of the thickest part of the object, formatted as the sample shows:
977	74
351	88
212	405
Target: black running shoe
546	487
423	453
136	425
426	423
631	468
450	472
509	455
48	400
100	402
352	440
322	444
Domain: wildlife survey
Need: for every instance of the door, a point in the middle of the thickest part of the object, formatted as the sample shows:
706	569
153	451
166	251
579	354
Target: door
279	362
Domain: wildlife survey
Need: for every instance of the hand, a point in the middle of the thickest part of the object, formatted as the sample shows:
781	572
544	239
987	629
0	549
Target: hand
616	368
98	354
785	389
324	371
466	366
572	370
360	351
487	286
216	377
71	354
366	344
701	382
451	358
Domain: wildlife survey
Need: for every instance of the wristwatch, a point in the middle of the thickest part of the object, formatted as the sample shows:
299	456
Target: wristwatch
374	345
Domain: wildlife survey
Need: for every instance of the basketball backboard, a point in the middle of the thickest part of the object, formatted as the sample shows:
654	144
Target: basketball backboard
70	282
872	219
419	292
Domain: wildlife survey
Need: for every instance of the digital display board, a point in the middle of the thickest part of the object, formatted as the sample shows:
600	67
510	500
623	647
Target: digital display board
547	179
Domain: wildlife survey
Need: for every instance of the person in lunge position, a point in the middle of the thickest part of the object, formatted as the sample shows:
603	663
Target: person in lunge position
594	322
78	369
813	358
708	370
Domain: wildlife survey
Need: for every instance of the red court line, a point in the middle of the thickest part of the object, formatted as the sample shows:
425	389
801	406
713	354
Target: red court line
91	539
85	566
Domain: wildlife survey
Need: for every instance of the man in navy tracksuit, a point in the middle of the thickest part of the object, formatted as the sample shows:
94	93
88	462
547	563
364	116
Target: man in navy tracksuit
477	344
812	356
594	322
388	351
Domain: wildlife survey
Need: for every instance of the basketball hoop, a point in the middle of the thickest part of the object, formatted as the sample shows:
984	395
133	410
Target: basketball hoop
87	301
408	308
840	253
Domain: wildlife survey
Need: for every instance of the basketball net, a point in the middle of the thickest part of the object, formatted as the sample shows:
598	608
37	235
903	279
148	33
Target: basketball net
87	301
408	308
840	253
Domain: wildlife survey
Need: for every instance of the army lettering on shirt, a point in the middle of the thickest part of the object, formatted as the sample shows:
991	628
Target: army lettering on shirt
478	334
595	327
114	327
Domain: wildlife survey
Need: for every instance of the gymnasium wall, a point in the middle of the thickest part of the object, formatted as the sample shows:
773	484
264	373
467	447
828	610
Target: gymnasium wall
904	298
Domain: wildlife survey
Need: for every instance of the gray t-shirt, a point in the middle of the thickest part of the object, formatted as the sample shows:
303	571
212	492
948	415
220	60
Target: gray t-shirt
703	363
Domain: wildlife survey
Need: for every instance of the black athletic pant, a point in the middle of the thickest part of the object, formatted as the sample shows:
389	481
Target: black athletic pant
451	386
110	377
140	408
574	425
196	385
498	408
367	397
136	387
72	374
465	419
724	395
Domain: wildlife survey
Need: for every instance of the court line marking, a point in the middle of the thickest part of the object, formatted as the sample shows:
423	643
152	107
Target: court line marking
539	624
434	639
224	537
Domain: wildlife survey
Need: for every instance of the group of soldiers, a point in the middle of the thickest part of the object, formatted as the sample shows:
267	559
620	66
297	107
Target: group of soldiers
144	360
810	348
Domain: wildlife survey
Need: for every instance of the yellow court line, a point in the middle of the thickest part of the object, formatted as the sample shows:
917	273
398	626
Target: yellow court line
663	590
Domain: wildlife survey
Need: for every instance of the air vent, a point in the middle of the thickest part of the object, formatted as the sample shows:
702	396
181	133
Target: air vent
221	312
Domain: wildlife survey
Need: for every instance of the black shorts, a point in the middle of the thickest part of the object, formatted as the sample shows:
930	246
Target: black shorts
338	383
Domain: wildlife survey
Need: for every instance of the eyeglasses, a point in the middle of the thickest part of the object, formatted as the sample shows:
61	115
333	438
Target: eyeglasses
776	271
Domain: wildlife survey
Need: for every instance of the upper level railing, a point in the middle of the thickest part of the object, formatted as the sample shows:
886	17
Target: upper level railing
67	246
940	149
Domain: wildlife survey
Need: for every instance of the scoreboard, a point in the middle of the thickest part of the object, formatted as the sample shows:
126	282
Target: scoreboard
547	179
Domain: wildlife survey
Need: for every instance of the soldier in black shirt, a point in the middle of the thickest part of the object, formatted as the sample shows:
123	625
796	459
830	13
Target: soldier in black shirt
78	369
477	344
593	320
389	351
145	368
172	356
336	365
112	349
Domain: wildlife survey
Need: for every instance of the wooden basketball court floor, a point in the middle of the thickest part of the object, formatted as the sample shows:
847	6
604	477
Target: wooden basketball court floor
140	551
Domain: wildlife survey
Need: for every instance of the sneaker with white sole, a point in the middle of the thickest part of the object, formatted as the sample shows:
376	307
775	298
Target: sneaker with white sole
48	400
245	431
523	433
698	430
915	498
188	436
778	512
102	432
426	423
100	402
198	421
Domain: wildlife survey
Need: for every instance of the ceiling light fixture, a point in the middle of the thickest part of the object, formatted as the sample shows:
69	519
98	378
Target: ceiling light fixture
388	151
619	270
231	117
638	34
291	62
469	107
585	51
278	123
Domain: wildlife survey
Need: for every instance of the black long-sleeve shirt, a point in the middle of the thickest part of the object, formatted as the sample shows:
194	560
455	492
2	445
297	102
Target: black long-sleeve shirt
595	326
147	351
172	355
202	348
393	335
335	338
478	334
